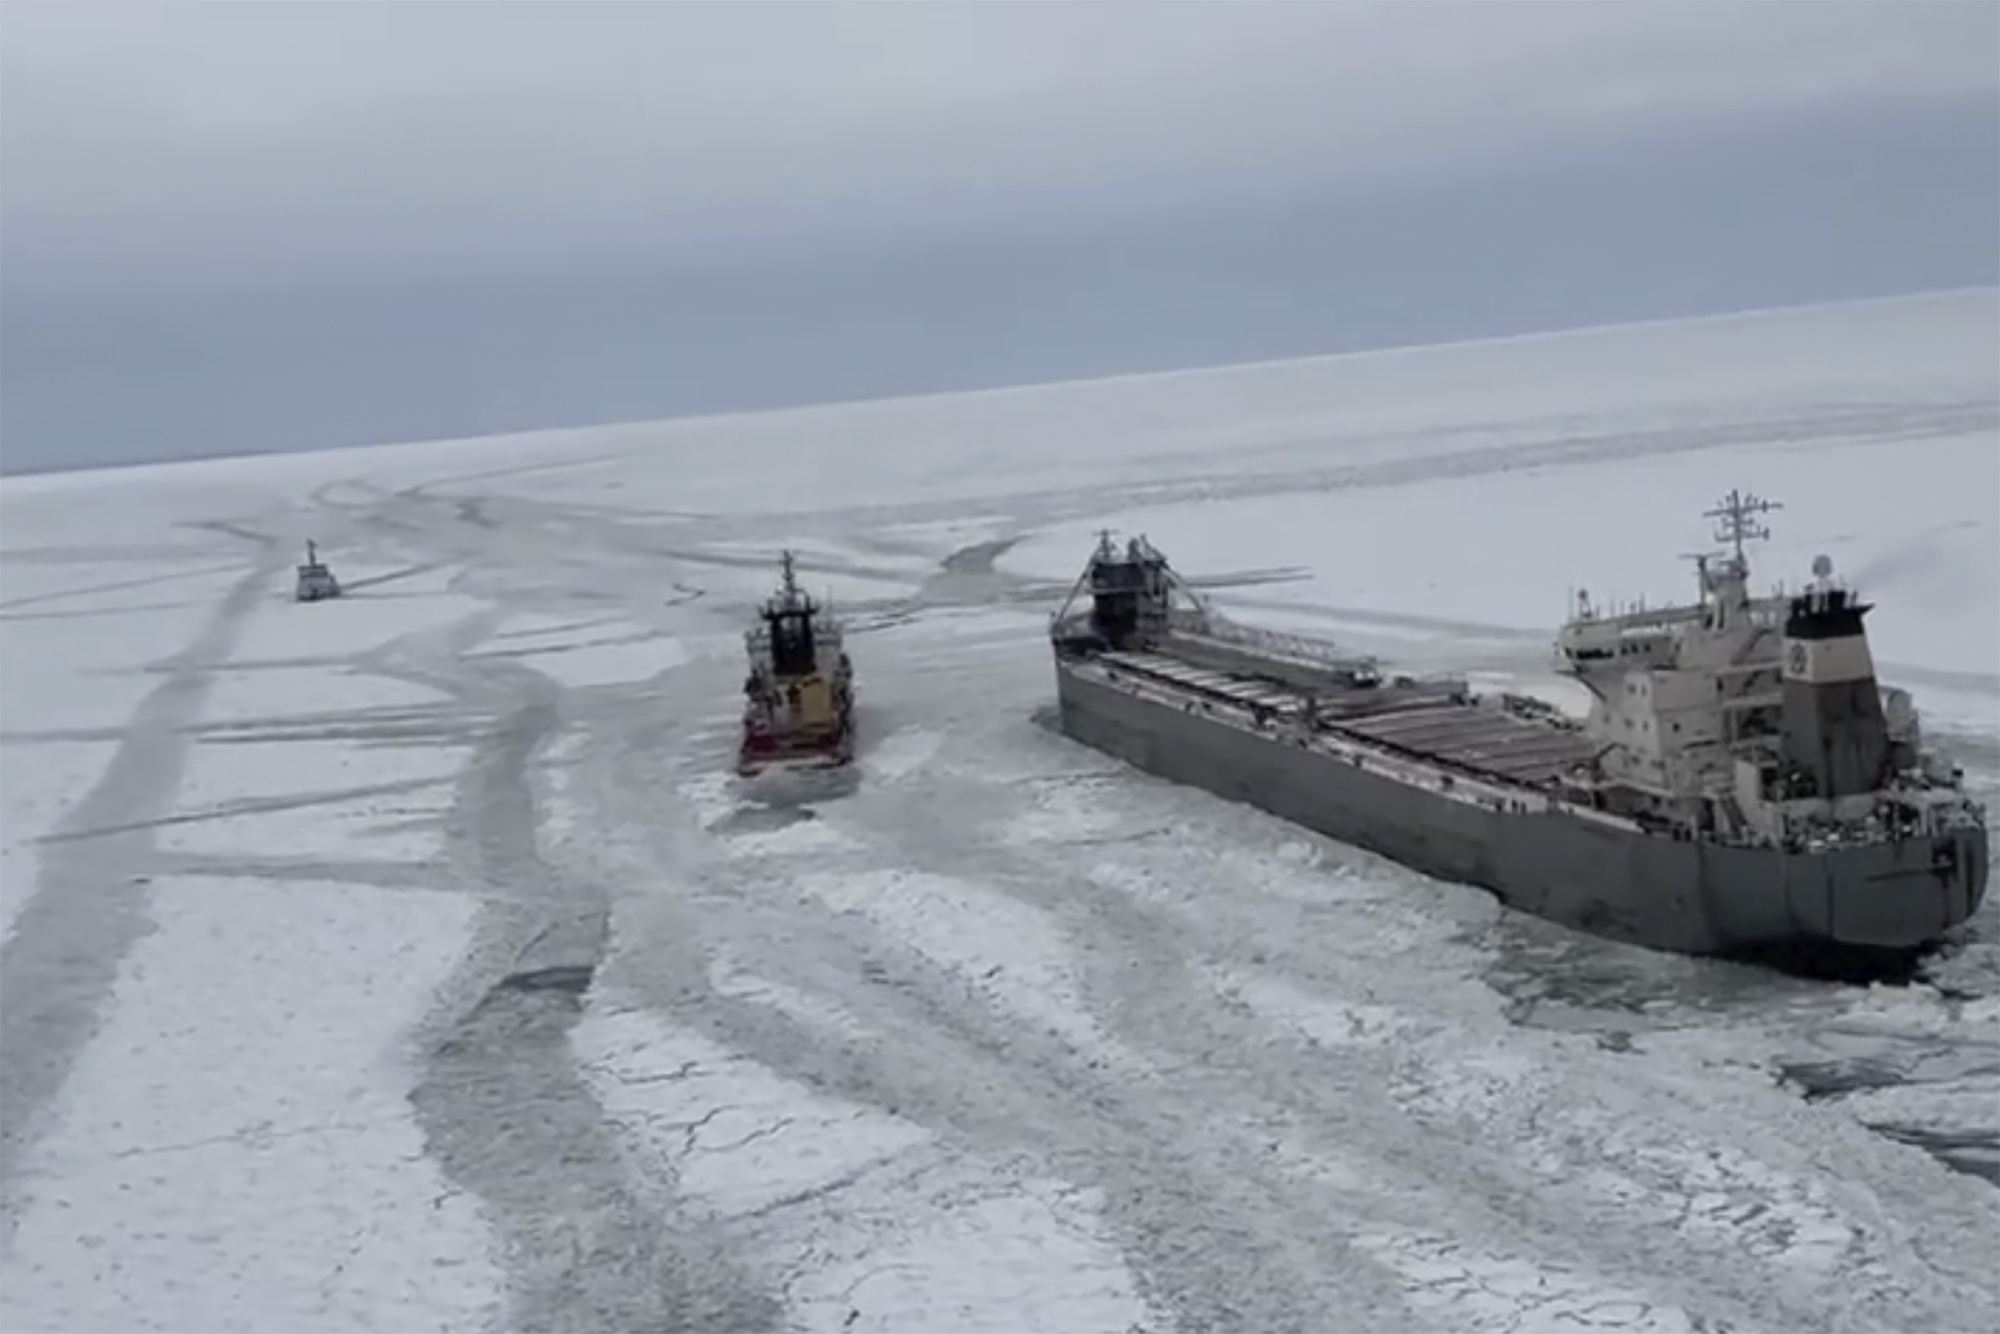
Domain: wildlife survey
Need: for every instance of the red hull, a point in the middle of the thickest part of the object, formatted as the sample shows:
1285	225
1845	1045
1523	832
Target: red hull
759	751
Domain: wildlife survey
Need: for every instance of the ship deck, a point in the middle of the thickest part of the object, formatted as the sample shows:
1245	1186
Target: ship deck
1423	724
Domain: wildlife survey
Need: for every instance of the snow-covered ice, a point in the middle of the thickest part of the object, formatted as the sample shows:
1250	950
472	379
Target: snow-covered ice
414	961
235	1150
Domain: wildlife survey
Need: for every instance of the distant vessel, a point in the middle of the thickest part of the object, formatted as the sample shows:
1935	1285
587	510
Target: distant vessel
1742	782
798	709
315	580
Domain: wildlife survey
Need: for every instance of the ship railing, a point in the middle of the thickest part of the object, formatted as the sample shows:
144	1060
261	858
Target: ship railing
1319	652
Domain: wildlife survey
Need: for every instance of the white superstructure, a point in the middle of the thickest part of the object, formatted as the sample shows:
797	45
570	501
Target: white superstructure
1754	718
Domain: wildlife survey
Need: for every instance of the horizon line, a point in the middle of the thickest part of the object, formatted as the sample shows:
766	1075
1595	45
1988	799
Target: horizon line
1031	387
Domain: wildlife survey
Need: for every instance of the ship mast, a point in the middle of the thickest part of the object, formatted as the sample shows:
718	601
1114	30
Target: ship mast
1735	522
1725	591
789	597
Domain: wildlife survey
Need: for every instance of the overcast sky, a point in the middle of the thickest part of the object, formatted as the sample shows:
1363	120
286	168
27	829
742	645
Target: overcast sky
240	226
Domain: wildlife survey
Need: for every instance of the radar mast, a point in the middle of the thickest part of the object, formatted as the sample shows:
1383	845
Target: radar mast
1736	523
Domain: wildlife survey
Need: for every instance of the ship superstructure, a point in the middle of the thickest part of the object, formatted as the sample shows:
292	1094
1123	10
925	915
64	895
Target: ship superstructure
798	708
315	580
1742	779
1756	720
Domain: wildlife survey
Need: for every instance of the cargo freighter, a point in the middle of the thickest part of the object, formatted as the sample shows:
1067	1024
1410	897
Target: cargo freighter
1742	781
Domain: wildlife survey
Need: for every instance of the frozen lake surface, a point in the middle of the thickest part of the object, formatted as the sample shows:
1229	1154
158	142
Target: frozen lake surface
411	961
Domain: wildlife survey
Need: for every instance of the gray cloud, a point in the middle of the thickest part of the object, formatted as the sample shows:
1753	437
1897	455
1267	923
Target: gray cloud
146	140
253	226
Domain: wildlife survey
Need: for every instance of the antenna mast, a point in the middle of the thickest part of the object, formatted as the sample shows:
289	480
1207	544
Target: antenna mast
1735	521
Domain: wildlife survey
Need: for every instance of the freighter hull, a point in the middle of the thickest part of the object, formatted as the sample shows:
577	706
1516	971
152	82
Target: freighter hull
1562	864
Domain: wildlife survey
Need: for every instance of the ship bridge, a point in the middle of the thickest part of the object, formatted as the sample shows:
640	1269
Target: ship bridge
1723	626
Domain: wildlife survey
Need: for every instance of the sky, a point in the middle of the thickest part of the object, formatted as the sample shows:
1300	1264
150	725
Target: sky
241	227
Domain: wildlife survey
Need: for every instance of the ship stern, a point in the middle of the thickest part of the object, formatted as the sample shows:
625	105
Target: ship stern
1908	894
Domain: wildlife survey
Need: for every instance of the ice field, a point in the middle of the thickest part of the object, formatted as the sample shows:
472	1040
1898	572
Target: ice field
413	961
